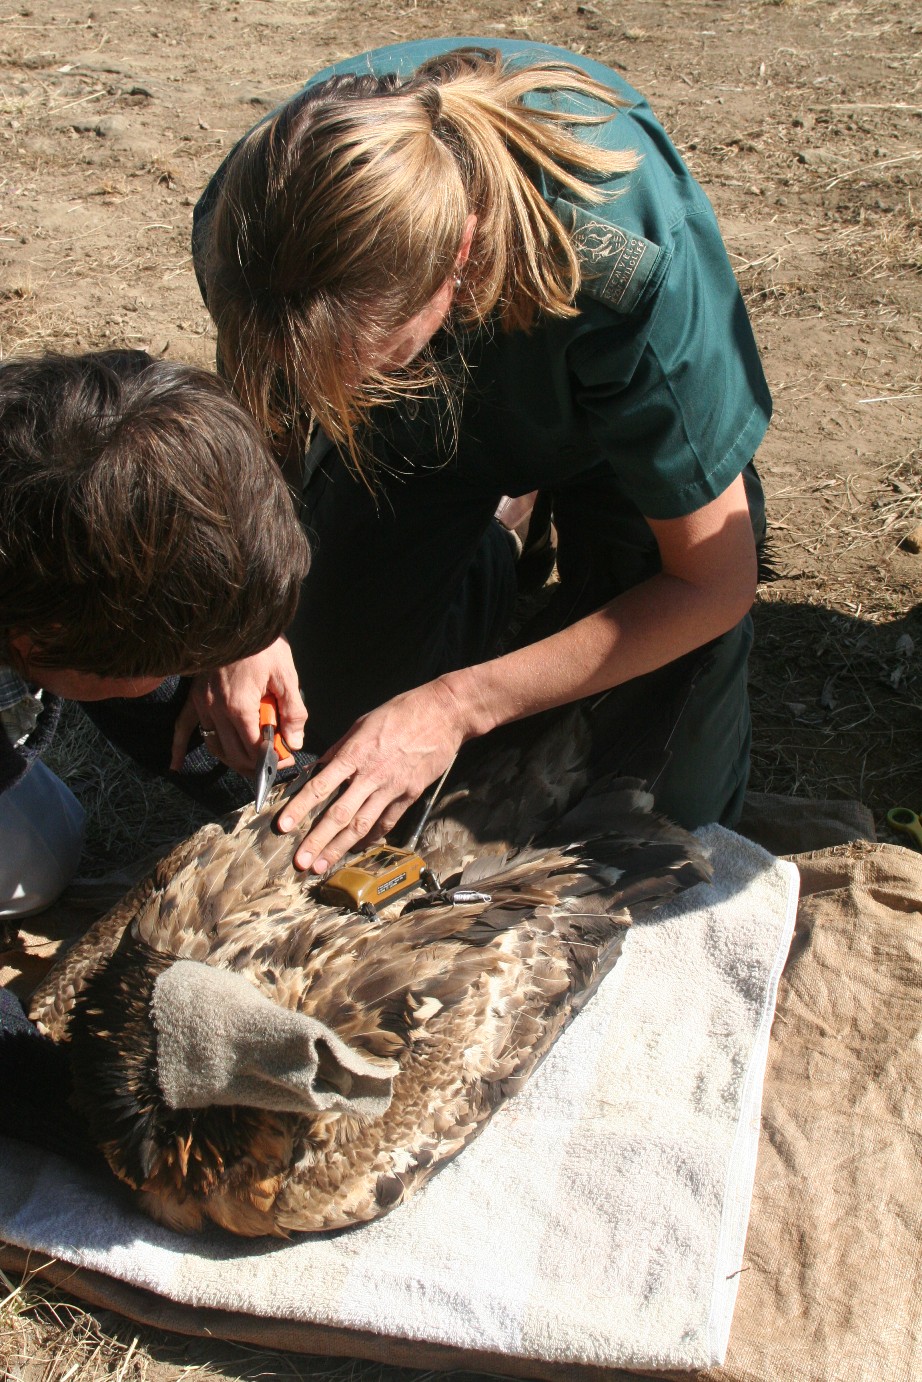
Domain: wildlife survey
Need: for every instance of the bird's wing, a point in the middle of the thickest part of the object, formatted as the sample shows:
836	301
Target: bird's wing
51	1002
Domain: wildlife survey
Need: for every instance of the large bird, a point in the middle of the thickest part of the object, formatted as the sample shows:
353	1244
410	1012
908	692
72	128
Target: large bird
245	1053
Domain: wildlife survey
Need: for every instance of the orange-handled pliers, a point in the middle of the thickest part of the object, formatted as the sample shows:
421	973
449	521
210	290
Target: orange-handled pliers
271	750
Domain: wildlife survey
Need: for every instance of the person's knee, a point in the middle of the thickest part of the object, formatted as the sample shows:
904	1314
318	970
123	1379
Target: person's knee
13	1019
705	789
707	772
41	840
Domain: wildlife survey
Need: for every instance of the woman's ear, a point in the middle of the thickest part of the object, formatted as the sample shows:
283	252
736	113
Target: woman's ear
467	239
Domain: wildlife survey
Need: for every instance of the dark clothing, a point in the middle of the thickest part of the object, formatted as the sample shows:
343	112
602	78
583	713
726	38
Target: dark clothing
405	584
15	759
35	1089
13	1020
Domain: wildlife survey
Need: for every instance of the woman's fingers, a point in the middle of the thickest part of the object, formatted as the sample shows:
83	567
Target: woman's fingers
381	765
350	818
322	856
363	811
225	702
321	785
292	710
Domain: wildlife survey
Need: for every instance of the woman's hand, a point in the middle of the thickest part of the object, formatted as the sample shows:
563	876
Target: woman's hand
387	759
226	705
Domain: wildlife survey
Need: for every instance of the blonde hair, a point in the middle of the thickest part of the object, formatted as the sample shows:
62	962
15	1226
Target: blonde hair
341	216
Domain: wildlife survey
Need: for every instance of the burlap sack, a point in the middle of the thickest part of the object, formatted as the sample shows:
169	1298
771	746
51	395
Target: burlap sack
832	1283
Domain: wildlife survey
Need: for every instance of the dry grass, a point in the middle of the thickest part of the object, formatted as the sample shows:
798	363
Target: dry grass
128	815
836	700
43	1336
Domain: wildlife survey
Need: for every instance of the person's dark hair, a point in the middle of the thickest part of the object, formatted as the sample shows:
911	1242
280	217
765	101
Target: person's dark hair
144	527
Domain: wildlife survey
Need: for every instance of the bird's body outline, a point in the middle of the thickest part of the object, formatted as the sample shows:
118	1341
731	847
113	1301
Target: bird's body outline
467	998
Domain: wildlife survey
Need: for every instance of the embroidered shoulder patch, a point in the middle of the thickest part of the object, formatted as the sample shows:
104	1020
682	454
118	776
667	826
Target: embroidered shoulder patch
618	267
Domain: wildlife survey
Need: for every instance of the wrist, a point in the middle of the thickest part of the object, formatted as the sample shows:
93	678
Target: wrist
469	707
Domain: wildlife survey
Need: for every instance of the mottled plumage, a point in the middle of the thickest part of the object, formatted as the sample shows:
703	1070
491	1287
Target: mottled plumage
466	998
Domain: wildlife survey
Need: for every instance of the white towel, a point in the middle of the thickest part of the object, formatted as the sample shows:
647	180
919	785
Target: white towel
599	1219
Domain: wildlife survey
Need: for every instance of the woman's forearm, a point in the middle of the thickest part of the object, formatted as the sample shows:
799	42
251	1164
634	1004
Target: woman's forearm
643	629
707	584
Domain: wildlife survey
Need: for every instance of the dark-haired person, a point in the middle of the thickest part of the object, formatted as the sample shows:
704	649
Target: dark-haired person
145	532
455	270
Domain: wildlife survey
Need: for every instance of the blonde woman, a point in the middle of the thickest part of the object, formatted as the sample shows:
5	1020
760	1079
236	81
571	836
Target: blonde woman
449	272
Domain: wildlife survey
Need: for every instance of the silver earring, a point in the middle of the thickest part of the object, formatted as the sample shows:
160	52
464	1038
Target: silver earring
457	282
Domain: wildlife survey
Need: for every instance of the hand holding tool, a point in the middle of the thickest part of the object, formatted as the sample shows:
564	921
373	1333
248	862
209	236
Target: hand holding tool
271	750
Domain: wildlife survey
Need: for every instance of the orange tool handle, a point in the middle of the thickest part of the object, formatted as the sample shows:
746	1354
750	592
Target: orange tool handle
269	715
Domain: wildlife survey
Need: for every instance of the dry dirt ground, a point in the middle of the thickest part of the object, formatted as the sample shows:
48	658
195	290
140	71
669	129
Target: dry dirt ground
802	120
